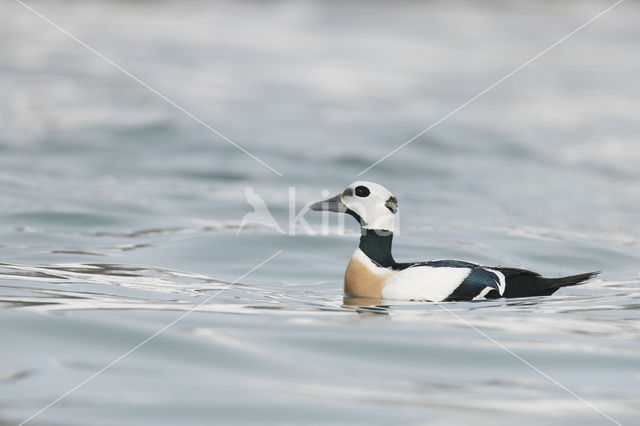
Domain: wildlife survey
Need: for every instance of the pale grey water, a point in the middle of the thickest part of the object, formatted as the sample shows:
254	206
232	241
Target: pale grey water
119	213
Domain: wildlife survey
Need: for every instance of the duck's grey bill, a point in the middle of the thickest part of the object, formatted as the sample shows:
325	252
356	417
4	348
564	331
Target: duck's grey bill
333	204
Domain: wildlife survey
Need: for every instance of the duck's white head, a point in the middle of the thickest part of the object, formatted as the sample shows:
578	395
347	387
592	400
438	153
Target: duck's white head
371	204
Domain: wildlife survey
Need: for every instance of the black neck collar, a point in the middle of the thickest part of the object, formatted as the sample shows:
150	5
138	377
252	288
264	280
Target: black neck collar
376	244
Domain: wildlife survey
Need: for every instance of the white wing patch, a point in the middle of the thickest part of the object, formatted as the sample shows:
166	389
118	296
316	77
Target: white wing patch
483	293
424	283
502	283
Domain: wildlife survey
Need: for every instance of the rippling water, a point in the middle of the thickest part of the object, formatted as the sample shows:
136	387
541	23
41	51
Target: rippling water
119	214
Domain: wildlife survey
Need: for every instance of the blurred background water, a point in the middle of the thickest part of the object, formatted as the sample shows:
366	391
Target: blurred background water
119	213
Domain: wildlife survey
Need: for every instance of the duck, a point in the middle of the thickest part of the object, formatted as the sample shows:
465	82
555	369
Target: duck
373	273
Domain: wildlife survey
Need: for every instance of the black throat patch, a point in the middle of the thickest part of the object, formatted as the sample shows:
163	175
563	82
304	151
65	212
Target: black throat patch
376	244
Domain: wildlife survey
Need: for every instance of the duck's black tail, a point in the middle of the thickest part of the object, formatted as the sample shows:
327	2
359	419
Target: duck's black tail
522	283
555	283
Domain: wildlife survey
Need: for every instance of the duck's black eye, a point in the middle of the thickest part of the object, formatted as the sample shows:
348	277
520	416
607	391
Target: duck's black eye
362	191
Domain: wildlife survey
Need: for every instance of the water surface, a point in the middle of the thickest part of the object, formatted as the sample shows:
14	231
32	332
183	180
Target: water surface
119	213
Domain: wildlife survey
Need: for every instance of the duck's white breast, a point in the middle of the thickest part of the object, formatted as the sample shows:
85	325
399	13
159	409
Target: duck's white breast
424	283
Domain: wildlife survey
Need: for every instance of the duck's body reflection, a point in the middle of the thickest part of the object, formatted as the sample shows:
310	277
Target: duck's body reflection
365	305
